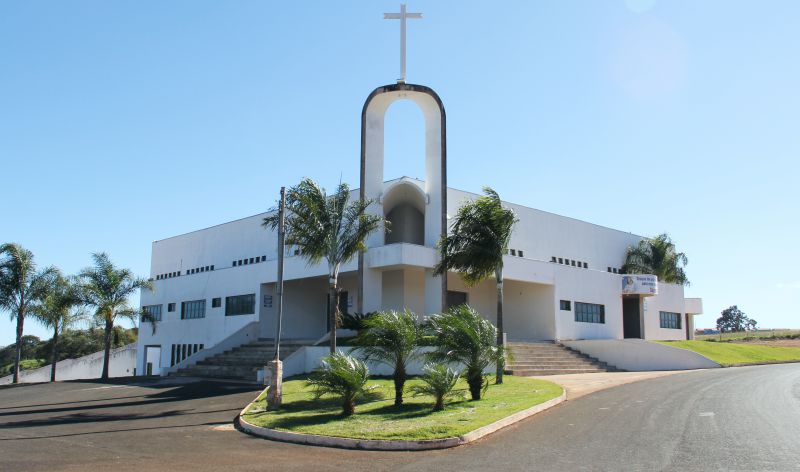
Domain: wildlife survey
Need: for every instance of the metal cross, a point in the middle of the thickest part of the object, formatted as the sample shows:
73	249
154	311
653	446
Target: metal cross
402	16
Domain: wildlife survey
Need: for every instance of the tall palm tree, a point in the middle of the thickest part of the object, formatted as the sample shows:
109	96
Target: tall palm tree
106	288
326	227
659	257
390	337
461	335
57	312
475	247
20	287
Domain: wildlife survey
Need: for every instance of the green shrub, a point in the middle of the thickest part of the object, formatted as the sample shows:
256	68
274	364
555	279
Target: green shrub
438	381
343	376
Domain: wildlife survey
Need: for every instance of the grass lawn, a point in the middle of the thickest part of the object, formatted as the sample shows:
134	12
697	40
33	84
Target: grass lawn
766	334
379	419
728	353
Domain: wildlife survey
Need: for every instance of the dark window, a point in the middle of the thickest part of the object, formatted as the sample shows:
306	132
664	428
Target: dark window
553	259
240	305
252	260
206	267
614	270
202	269
216	302
233	263
520	253
154	312
240	262
585	265
573	263
193	309
513	252
212	268
170	307
670	320
590	313
455	298
609	269
560	260
566	305
263	258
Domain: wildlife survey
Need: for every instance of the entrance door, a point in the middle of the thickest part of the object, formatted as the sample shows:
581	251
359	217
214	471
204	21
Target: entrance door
631	318
152	360
455	299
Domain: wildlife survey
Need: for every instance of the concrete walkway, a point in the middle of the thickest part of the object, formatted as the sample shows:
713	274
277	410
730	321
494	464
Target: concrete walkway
578	385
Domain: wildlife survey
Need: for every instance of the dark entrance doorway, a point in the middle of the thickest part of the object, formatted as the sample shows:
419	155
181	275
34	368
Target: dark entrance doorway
631	318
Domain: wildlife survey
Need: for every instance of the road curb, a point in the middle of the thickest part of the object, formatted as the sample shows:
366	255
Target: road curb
388	444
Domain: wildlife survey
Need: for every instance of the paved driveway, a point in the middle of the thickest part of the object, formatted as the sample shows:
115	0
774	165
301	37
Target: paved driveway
723	419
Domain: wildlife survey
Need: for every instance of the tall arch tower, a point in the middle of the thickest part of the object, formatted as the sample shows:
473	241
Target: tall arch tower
407	247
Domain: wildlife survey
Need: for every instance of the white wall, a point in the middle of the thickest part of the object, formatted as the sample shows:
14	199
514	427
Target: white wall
641	355
122	361
669	298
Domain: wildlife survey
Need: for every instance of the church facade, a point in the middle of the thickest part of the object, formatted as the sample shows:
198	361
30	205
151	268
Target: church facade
563	277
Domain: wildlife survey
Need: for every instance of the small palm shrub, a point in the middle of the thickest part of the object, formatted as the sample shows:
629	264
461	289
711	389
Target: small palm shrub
462	336
438	381
390	337
343	376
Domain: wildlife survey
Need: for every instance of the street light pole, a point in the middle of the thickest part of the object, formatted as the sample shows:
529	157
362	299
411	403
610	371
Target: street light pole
275	367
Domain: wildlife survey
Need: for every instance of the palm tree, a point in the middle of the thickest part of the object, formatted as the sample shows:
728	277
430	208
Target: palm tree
390	337
438	381
475	247
106	288
461	335
343	376
20	287
326	227
56	311
657	256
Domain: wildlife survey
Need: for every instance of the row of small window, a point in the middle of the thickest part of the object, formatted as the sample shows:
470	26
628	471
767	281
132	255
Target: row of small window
670	320
182	351
614	270
585	312
236	305
572	262
178	273
252	260
516	252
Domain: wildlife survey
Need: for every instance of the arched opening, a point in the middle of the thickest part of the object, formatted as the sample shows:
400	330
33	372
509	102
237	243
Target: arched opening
404	141
404	208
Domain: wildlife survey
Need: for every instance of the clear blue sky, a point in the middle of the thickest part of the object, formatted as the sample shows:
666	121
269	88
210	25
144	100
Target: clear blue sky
126	122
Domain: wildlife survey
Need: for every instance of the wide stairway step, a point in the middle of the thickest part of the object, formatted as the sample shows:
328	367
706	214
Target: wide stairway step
242	362
548	358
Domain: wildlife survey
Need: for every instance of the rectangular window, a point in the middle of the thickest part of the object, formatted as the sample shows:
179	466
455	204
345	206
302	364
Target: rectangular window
609	269
252	260
216	302
590	313
240	305
553	259
513	252
212	267
193	309
585	265
560	260
170	307
670	320
573	262
519	253
566	305
153	312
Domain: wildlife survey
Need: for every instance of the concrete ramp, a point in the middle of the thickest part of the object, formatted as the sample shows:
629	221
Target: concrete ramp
638	355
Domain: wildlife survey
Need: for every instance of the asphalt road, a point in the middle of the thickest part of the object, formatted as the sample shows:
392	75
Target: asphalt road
725	419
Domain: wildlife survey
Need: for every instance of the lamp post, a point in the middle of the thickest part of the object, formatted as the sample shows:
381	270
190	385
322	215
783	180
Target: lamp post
275	367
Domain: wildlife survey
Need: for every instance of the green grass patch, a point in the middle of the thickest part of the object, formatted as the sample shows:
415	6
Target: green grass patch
729	354
378	418
765	334
25	364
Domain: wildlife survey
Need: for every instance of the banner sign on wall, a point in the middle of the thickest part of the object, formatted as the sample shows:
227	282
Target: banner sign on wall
646	285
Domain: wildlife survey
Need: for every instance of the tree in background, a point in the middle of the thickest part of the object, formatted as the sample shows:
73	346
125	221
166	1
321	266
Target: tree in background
733	319
106	289
57	312
20	287
475	247
390	337
326	227
659	257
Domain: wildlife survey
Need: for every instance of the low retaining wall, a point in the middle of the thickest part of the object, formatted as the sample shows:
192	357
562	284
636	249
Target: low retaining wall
639	355
122	363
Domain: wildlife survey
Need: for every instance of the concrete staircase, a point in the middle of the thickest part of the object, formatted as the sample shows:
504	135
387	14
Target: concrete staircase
549	358
241	363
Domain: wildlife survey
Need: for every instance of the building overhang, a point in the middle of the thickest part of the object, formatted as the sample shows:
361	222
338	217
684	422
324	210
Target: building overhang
399	255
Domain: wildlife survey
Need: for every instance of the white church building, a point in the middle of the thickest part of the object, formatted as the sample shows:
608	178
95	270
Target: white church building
215	287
